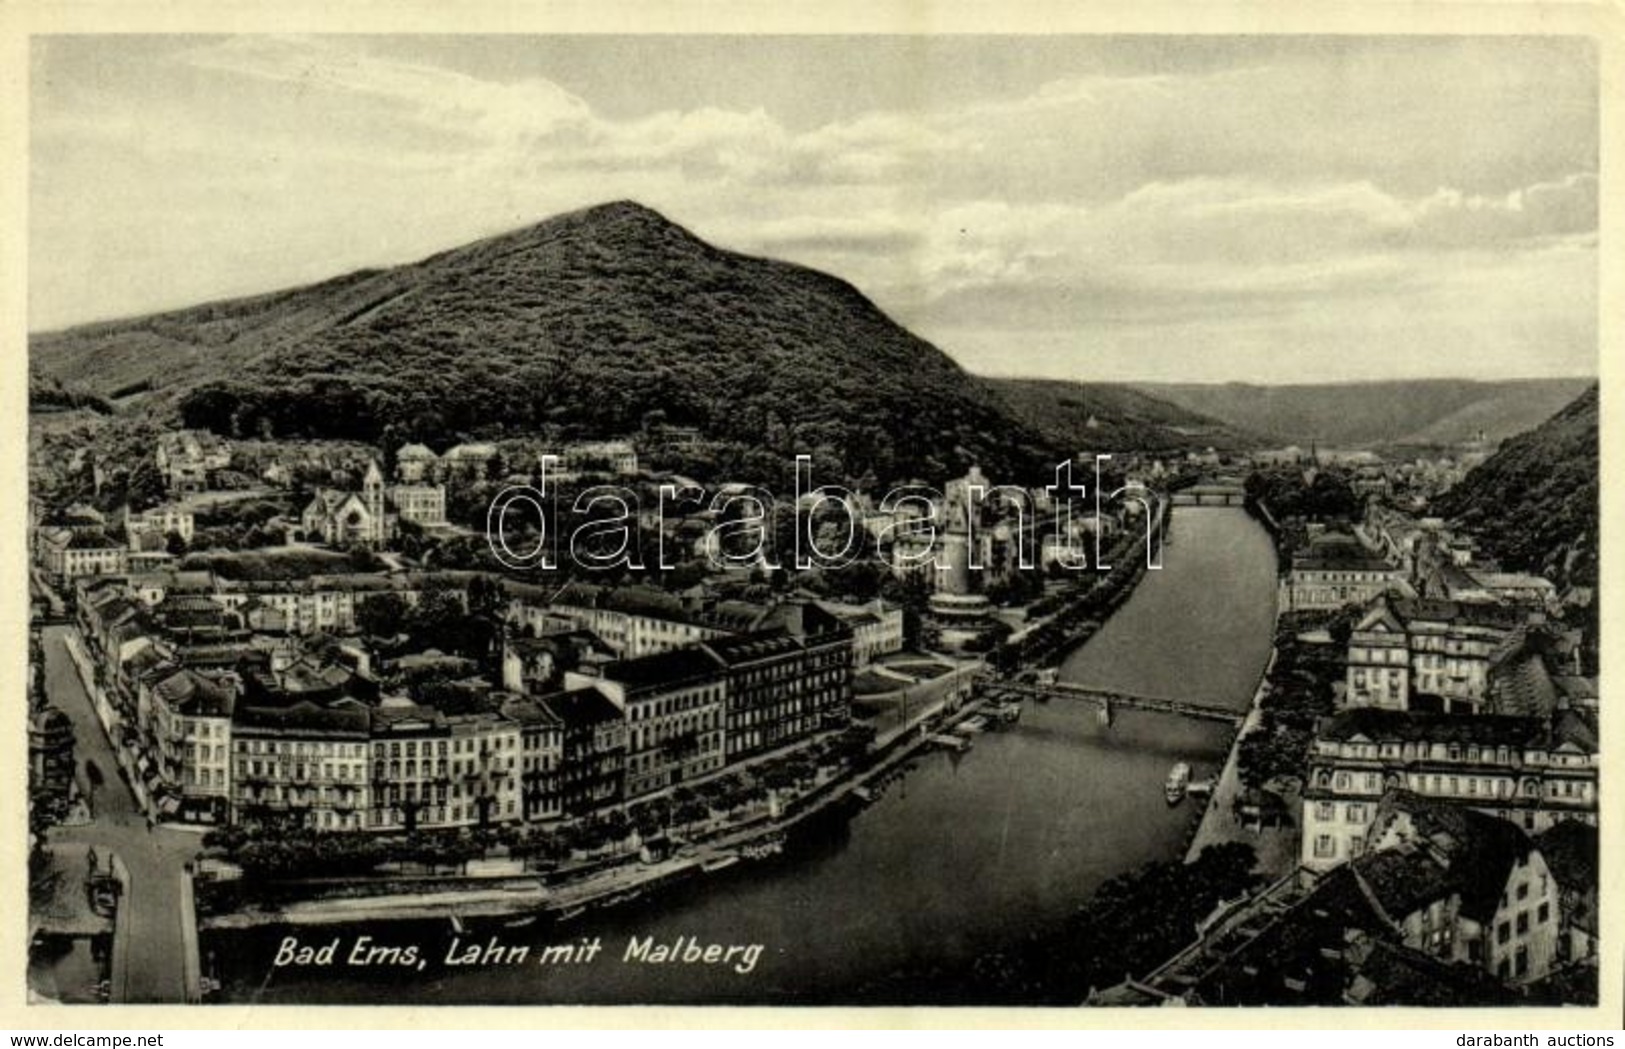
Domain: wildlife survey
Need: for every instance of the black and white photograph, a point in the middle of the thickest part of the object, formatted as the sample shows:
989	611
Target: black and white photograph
999	519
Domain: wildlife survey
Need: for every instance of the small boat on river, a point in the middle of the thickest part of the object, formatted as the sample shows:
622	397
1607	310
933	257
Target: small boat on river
1005	713
1179	778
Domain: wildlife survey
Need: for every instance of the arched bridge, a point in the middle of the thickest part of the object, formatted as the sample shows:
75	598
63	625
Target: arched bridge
1211	494
1106	701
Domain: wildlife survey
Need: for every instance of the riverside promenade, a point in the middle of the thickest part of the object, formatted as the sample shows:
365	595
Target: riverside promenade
1277	846
512	896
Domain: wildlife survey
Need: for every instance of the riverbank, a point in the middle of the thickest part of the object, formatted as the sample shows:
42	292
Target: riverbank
1277	847
517	897
867	905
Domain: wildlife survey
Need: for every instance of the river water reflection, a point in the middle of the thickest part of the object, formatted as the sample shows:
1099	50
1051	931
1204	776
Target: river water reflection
964	856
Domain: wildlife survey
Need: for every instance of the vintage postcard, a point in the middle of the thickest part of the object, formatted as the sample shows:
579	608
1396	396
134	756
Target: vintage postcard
1055	518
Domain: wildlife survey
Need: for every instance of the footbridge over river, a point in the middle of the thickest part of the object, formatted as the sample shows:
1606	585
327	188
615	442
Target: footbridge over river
1212	493
1105	701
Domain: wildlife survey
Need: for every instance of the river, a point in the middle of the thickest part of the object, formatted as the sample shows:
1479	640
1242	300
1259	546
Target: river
962	857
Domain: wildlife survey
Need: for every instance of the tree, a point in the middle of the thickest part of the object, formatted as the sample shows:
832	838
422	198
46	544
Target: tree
381	615
363	559
175	543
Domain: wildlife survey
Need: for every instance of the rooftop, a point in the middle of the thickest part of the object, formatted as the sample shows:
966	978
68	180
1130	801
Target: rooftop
1403	726
302	719
664	669
581	707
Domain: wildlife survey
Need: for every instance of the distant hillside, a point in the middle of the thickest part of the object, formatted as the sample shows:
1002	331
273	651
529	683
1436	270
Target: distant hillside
594	323
1431	411
1534	503
48	393
1103	417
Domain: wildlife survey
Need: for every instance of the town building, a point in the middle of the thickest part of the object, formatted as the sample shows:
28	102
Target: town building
541	757
593	762
50	751
302	765
416	464
410	775
1450	907
673	705
1407	654
1463	886
422	504
187	717
71	553
370	517
633	621
619	458
1570	849
1335	571
877	628
187	460
162	521
786	683
1530	771
486	785
768	704
469	462
536	666
324	603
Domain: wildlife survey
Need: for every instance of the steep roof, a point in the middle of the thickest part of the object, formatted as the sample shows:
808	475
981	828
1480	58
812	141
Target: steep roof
1404	726
581	707
194	695
1519	684
1571	849
302	719
1571	728
1393	974
1451	848
405	718
664	669
751	648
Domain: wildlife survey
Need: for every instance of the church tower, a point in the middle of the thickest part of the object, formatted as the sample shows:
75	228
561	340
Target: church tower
372	493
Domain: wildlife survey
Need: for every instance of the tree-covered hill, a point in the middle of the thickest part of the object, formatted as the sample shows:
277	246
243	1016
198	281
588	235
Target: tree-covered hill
1371	414
589	324
1091	417
1534	503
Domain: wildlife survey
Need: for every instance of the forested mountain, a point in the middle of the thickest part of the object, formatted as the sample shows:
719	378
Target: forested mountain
1534	503
47	393
1368	414
591	324
1104	417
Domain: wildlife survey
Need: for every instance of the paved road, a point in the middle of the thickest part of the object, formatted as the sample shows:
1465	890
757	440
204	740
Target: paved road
153	956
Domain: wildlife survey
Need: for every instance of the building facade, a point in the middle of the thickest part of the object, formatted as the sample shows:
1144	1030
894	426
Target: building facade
1445	650
302	764
1528	771
673	704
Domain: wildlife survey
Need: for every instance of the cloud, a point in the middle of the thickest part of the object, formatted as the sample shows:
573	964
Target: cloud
1358	180
1545	209
450	101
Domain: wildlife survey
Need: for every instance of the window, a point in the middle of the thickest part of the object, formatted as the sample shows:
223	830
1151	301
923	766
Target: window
1324	847
1503	932
1544	914
1523	922
1523	891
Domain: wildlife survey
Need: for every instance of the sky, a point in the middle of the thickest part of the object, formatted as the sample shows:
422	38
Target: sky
1155	208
